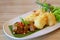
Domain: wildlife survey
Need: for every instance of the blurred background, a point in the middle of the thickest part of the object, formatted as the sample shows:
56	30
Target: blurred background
12	8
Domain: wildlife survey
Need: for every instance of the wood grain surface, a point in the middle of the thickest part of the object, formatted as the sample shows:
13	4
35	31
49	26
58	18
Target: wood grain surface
12	8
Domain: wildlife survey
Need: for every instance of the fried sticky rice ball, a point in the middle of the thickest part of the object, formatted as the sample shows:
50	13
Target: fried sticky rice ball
40	21
51	19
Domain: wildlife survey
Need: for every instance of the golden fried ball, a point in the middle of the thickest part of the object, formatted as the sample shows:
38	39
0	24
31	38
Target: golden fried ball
40	21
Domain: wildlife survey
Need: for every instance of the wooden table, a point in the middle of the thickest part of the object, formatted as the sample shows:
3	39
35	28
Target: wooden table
12	8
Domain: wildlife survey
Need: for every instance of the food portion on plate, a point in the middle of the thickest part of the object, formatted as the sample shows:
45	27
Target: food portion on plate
43	17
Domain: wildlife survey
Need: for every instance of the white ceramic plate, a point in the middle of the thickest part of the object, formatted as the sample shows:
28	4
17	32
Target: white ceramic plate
36	34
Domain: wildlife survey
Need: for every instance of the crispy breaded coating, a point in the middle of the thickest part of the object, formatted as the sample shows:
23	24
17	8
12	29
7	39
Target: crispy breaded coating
40	21
30	17
51	19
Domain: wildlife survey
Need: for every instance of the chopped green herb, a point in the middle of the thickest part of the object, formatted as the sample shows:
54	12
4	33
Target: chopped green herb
45	6
23	21
57	14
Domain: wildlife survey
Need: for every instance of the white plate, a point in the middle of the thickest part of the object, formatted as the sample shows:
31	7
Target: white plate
36	34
